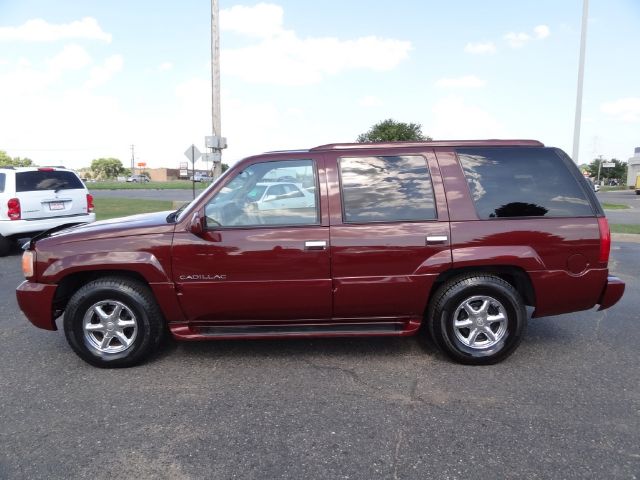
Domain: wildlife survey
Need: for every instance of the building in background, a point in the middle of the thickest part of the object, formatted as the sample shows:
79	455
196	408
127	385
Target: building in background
163	174
633	168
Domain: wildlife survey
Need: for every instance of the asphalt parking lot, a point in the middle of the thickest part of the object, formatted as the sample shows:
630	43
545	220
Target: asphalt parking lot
565	405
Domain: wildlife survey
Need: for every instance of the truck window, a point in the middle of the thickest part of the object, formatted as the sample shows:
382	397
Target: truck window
386	189
522	182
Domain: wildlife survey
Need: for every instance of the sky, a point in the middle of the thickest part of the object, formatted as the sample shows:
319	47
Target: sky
81	80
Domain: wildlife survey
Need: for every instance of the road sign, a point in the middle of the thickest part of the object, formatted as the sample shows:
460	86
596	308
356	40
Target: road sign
608	165
142	164
184	165
184	172
192	153
212	157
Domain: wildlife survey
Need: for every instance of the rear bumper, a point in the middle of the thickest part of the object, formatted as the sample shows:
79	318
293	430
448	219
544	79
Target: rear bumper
612	292
15	228
36	302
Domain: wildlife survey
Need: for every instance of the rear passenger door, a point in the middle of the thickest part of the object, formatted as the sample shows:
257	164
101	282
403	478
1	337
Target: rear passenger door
389	232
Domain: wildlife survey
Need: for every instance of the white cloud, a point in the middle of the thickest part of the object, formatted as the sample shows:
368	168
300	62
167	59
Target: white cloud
370	101
103	73
624	109
165	66
542	31
282	58
520	39
467	81
454	118
263	20
517	40
38	30
72	57
480	48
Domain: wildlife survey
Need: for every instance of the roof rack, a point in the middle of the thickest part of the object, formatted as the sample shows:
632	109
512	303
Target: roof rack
431	143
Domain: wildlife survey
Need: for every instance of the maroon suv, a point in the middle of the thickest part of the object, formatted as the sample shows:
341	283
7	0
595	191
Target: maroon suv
339	240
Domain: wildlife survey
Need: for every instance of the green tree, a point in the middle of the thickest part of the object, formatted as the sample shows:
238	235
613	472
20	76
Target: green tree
7	161
618	172
225	167
107	167
391	131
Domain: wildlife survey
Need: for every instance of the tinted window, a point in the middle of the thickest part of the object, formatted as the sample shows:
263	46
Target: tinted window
522	182
257	196
2	179
386	189
46	180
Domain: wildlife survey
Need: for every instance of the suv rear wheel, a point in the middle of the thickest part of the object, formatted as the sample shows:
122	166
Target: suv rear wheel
477	319
113	322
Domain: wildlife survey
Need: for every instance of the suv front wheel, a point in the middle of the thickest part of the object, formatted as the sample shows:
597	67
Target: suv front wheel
477	319
113	322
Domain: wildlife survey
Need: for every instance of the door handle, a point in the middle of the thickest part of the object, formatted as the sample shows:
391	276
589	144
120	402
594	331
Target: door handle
431	239
315	245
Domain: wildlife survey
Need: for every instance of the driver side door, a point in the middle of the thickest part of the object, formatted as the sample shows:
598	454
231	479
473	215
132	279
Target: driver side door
251	264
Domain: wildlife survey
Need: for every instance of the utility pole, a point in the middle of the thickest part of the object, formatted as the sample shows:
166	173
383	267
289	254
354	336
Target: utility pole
216	142
578	119
132	159
599	167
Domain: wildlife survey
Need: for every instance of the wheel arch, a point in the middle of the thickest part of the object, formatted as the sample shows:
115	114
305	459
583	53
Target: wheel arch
164	292
515	276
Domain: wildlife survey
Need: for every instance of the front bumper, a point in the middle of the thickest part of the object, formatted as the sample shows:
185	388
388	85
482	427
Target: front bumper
612	292
36	302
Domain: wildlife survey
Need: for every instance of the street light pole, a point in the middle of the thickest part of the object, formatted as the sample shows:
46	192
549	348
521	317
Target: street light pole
583	43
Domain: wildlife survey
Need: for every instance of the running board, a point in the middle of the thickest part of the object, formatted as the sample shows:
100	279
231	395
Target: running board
256	331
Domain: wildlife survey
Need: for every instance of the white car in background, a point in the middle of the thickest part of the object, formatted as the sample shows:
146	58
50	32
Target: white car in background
273	196
35	199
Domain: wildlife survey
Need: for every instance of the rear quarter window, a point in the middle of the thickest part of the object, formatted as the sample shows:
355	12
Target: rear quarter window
47	180
2	180
522	182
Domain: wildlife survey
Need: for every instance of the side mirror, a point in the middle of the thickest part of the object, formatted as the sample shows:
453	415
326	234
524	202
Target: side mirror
195	225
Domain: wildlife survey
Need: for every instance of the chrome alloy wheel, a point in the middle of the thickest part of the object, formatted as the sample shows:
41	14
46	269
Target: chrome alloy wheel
480	322
109	326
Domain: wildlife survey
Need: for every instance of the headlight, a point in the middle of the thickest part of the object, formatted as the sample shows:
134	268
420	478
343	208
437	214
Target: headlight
28	261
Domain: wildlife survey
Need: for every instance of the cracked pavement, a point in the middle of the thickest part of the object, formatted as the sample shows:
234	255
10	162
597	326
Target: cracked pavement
565	405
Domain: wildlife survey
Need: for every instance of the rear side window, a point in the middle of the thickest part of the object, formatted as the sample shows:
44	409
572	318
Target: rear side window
522	182
47	180
386	189
2	180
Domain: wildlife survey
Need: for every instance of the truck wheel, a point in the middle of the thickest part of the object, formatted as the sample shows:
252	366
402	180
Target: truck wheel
5	246
113	322
477	319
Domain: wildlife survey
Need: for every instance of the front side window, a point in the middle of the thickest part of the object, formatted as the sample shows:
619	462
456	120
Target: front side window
267	194
386	189
522	182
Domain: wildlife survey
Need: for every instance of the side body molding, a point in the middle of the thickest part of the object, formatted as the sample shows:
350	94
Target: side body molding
521	256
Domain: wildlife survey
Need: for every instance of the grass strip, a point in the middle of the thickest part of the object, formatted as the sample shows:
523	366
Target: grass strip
106	208
615	206
621	228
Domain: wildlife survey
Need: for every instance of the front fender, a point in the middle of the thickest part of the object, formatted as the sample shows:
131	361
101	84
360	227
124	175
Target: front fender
144	263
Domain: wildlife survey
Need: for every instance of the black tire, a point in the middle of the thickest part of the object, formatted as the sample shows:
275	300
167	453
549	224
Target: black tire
137	305
5	246
448	311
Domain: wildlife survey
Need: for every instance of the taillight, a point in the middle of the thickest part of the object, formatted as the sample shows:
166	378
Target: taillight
13	209
90	206
28	258
605	239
